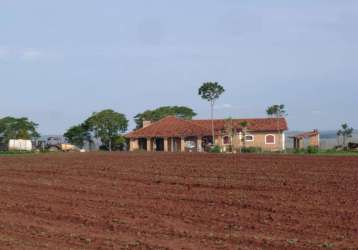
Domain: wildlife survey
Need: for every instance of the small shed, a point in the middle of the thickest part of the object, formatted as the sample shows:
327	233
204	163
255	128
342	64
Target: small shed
21	145
312	136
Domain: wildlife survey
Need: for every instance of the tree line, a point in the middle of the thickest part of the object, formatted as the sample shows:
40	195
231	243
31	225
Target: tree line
108	125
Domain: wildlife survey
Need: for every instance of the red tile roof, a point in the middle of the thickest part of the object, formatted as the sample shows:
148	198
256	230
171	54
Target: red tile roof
306	134
254	125
172	126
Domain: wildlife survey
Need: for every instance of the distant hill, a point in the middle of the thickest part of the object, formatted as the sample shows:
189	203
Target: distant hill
331	134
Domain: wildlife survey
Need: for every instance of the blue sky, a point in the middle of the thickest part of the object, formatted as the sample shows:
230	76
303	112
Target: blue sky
62	60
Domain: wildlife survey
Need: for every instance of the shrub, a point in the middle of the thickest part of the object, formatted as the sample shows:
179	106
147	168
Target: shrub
330	151
299	151
14	152
215	149
312	150
251	150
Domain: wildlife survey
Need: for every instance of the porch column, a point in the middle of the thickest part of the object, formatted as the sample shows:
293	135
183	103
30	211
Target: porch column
283	140
182	144
301	143
133	145
165	144
198	142
240	139
149	144
219	141
154	144
172	142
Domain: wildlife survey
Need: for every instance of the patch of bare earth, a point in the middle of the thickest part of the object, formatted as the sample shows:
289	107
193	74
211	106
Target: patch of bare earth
178	201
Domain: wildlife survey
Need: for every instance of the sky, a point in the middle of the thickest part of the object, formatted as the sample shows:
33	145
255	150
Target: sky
62	60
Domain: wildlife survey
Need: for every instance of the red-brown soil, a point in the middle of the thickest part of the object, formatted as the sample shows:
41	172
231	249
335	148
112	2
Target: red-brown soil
178	201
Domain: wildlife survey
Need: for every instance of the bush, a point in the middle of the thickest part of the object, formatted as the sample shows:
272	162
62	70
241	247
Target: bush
312	150
251	150
14	152
299	151
330	151
215	149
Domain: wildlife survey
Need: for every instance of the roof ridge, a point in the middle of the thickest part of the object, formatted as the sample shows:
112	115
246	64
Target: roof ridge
173	125
153	123
223	119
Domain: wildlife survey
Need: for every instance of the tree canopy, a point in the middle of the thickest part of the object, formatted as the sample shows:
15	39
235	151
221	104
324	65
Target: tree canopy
17	128
78	134
211	91
276	110
161	112
346	132
107	125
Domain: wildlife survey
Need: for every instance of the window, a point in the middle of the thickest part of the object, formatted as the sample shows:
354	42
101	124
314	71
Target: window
249	138
270	139
226	140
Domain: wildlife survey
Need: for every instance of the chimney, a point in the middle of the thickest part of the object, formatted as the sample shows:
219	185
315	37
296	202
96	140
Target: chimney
146	123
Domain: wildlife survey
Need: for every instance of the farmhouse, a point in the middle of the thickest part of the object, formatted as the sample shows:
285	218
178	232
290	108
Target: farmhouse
172	134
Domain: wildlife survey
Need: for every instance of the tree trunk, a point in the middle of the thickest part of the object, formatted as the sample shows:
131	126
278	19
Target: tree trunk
110	145
344	141
278	123
244	137
212	122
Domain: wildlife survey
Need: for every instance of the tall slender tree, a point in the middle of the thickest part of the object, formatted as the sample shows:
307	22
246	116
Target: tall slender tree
346	132
211	91
244	125
277	111
339	133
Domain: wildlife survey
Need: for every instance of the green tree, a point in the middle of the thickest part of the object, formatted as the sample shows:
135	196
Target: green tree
119	142
17	128
78	134
277	111
346	132
211	91
161	112
107	125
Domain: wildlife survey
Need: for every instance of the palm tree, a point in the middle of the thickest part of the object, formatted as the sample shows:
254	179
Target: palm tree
346	132
211	91
339	133
277	111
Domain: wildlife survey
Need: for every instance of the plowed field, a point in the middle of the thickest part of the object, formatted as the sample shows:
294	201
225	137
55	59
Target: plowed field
178	201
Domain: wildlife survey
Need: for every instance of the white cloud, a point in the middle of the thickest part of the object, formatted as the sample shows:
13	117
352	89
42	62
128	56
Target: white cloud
316	112
4	52
30	54
13	53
